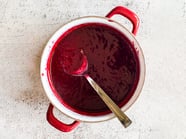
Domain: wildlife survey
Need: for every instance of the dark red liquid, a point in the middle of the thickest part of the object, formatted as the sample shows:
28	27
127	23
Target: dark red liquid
113	64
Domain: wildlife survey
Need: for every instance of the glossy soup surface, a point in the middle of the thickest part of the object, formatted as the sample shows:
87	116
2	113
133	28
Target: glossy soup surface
113	64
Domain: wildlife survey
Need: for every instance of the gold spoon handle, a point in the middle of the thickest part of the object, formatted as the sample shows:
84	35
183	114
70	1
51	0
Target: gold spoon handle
123	118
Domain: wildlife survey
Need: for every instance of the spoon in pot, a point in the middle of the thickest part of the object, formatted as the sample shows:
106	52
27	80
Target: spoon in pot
82	71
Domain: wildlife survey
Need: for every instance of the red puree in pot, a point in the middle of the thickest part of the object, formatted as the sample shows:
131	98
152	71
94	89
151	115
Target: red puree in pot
112	63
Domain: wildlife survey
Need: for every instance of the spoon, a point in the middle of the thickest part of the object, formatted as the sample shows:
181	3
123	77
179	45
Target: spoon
82	71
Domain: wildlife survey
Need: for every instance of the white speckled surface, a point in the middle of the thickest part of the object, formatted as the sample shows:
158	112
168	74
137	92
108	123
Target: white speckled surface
25	27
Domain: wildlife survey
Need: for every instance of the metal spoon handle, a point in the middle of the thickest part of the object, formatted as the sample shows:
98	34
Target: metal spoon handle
124	119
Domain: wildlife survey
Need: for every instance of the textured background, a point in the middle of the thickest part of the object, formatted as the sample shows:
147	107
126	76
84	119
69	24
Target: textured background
25	27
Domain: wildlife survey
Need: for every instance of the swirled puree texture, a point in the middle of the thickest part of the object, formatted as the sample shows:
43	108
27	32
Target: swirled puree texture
113	64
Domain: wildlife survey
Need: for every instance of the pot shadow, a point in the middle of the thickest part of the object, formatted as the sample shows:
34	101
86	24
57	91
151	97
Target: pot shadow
33	95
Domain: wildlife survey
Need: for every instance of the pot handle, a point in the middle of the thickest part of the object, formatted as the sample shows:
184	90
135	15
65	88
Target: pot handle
128	14
58	124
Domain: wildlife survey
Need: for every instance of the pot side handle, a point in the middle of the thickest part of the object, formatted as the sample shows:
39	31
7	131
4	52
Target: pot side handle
58	124
128	14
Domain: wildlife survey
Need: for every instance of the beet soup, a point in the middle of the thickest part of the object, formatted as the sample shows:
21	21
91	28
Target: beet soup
113	64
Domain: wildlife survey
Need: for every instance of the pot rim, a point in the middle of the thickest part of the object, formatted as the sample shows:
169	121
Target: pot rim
48	49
